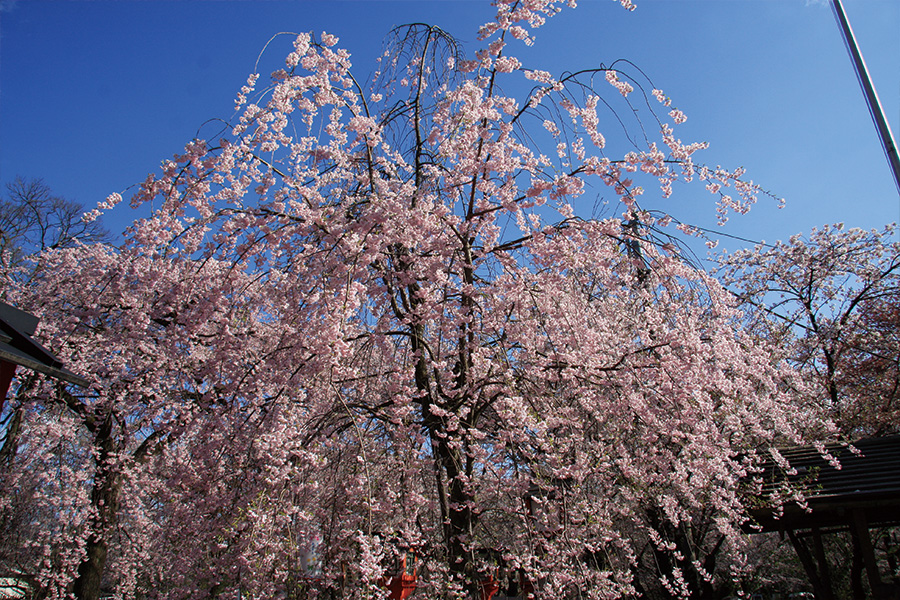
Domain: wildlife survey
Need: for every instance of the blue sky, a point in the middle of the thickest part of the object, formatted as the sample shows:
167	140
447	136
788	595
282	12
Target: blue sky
93	95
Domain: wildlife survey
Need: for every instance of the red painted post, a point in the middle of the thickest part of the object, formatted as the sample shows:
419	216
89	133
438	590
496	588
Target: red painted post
489	587
401	585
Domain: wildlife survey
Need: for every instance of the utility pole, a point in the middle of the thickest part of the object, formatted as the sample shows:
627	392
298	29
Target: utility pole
862	73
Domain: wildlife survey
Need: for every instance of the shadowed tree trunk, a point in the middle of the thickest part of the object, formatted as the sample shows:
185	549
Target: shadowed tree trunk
105	502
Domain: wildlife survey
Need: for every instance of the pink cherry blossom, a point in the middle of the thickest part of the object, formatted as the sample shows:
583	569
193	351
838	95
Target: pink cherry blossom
381	319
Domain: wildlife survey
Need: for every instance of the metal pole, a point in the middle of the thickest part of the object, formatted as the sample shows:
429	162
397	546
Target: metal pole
862	73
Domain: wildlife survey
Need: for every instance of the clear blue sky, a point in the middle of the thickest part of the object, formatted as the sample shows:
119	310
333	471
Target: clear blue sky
93	95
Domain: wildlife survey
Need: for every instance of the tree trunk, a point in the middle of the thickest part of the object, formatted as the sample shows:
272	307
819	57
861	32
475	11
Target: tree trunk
105	503
460	523
90	571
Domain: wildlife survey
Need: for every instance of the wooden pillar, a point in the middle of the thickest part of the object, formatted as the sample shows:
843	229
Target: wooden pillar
890	549
860	529
817	571
820	553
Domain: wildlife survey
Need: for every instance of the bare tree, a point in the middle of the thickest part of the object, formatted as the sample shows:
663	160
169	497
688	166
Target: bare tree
33	219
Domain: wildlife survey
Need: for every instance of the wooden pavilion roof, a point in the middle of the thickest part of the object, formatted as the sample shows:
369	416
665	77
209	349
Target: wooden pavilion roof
867	479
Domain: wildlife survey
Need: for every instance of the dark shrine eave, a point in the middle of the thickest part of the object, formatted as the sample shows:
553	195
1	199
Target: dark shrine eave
17	347
867	480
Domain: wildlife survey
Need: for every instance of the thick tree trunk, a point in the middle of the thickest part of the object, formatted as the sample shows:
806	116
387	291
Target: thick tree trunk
105	502
460	517
90	571
456	505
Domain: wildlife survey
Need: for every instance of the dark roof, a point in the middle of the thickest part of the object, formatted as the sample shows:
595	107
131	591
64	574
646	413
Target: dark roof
19	348
867	479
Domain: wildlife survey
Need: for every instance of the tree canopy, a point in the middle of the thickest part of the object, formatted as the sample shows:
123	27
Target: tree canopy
830	301
373	317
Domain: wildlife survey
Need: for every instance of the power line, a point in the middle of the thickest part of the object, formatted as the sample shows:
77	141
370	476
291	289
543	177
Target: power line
865	82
